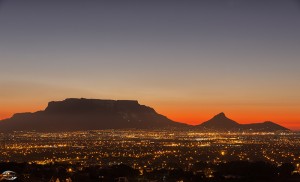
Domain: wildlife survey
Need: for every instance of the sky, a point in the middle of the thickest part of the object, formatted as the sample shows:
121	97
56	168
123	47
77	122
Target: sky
190	60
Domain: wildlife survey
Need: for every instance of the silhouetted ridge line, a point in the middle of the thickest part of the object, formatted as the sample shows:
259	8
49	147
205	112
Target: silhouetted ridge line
94	114
221	123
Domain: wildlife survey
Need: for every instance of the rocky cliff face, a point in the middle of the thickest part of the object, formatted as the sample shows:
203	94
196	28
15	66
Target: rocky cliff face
95	105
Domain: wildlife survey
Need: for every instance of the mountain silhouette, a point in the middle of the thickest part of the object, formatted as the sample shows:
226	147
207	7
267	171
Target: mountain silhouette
221	123
89	114
267	126
94	114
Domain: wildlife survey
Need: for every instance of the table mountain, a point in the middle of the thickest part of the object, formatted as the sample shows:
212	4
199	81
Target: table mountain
89	114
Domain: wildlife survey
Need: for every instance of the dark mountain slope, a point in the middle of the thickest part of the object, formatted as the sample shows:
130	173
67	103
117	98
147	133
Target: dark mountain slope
95	114
89	114
221	123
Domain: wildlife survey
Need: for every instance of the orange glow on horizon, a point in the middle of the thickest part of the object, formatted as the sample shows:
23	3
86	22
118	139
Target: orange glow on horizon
10	111
286	118
195	116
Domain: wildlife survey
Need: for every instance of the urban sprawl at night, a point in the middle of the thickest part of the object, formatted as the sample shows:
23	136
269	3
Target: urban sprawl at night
151	150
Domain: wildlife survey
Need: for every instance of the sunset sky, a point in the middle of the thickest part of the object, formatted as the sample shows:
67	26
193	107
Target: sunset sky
189	60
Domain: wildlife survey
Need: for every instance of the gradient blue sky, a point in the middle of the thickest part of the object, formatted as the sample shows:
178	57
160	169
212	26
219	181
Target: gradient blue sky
187	59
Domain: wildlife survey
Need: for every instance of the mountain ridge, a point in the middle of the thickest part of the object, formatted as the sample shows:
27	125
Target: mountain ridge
74	114
222	123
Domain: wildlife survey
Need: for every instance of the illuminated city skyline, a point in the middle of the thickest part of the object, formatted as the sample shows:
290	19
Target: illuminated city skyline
152	152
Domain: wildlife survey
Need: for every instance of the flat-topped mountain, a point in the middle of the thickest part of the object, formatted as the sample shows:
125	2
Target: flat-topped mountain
95	114
221	123
89	114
